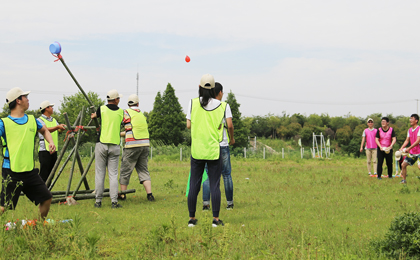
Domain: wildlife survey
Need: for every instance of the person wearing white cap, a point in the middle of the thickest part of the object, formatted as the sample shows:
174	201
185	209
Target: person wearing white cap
136	149
107	149
369	134
47	159
228	139
18	131
385	139
205	119
413	137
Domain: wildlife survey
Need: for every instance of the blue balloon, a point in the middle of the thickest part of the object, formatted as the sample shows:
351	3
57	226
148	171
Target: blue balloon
55	48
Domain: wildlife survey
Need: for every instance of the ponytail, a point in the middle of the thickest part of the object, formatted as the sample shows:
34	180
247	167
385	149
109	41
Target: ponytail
205	95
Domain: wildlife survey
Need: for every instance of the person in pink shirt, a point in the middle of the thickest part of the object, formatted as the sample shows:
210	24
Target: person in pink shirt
369	134
385	139
413	136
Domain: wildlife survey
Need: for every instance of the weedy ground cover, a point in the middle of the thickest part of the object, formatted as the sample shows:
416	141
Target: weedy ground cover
284	209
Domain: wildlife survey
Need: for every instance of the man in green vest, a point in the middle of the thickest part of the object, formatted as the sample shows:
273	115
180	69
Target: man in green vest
107	149
18	131
136	149
47	159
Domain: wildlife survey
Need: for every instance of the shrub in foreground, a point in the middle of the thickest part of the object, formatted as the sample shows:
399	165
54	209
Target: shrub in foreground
402	239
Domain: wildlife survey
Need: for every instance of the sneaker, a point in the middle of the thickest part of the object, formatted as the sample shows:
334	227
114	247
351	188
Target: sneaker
150	197
217	223
370	173
206	207
379	178
115	205
229	207
122	196
192	222
98	204
403	182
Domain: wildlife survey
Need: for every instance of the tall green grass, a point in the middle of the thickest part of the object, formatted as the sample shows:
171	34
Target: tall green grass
288	208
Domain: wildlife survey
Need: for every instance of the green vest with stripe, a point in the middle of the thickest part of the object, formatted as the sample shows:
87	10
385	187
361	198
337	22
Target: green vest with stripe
206	131
138	124
110	125
20	141
54	134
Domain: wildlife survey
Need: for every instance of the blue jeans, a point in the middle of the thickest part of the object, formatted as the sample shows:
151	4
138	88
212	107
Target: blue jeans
227	178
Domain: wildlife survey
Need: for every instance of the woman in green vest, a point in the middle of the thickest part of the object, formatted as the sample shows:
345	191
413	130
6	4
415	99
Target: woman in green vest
204	118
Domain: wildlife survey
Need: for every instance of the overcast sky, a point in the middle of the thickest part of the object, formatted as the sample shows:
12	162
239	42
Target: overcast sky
334	57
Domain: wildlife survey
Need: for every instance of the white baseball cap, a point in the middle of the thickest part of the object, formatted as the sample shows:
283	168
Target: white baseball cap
398	155
14	93
45	104
133	99
207	81
113	94
369	119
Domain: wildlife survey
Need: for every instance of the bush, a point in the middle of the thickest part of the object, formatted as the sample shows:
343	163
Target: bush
402	239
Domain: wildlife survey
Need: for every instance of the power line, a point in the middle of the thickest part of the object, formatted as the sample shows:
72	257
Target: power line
364	103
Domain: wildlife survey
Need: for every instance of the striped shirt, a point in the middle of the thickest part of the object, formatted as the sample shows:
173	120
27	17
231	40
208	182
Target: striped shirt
130	141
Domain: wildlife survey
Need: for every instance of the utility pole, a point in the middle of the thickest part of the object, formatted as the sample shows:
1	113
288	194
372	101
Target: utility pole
137	84
417	106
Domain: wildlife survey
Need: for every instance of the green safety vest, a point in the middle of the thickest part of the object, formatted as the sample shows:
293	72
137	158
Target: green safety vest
110	125
54	134
20	141
206	131
138	124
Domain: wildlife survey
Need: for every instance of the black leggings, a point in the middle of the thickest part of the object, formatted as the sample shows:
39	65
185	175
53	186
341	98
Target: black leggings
389	158
214	173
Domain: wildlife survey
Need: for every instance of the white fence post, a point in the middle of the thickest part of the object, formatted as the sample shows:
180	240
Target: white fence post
180	154
282	153
264	153
244	152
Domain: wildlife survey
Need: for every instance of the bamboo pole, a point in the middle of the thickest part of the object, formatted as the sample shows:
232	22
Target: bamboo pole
81	90
63	192
74	155
79	160
61	169
84	175
89	196
60	157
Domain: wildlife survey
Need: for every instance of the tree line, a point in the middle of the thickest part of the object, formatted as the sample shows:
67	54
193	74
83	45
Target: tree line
167	123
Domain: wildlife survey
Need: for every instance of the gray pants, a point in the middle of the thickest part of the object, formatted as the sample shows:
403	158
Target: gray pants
106	155
134	157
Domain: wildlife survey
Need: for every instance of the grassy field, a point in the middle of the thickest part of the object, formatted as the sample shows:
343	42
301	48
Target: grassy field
284	209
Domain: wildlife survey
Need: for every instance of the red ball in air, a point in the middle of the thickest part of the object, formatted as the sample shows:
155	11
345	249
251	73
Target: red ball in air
187	59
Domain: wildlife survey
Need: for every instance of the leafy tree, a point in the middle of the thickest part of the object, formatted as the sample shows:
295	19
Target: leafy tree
337	122
353	121
273	123
155	123
167	121
306	133
289	131
298	118
315	120
72	105
241	132
344	135
259	127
